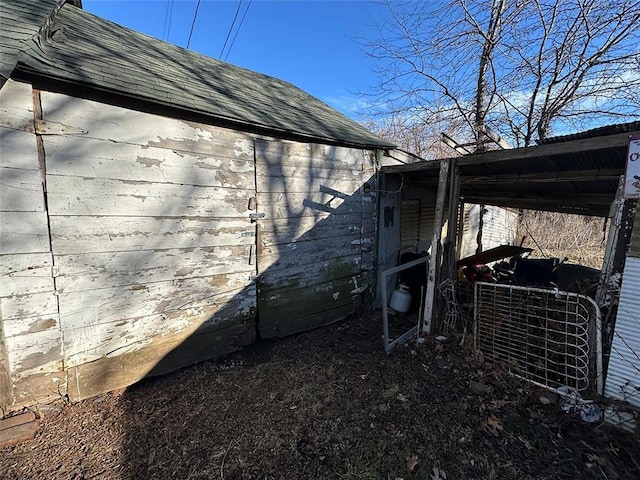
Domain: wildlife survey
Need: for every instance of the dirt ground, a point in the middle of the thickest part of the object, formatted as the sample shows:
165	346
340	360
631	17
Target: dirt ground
326	404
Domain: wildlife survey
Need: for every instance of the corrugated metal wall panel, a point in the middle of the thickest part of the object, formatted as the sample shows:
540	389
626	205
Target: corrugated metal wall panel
634	249
499	228
410	224
623	377
416	224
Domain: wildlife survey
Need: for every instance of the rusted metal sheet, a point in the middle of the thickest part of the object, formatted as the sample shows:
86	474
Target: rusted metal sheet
623	374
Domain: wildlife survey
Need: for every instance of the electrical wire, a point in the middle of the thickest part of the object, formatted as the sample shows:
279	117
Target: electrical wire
230	29
193	23
168	17
237	30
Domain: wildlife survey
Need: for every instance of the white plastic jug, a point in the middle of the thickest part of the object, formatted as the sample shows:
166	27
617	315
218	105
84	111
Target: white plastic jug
400	299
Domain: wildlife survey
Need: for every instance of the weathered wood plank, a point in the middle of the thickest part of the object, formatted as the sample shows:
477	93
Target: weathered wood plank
20	190
26	325
88	271
42	304
164	355
279	231
18	149
346	186
6	385
22	274
119	234
303	253
23	232
38	352
40	388
93	197
108	122
96	158
16	106
313	155
113	304
309	274
294	205
277	304
92	342
275	329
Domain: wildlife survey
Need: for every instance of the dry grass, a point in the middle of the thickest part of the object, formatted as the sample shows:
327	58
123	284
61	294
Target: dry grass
577	237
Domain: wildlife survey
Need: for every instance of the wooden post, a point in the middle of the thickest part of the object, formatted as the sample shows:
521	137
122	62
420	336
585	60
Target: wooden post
449	269
435	261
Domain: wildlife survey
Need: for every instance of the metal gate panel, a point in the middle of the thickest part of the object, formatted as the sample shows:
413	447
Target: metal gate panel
549	337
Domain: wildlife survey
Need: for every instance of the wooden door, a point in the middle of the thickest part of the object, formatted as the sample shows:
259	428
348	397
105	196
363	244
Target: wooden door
315	227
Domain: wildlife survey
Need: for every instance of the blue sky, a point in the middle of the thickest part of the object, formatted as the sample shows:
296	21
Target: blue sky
311	44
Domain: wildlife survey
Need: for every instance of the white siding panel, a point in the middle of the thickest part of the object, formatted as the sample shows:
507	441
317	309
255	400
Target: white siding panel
23	232
87	196
20	190
16	106
120	234
89	271
623	377
22	274
121	125
18	149
96	158
113	304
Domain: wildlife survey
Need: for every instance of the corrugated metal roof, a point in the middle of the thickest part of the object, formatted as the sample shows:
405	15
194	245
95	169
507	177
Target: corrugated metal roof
628	127
77	48
571	174
623	375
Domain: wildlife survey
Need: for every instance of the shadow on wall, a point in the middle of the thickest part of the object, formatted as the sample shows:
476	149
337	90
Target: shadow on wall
156	255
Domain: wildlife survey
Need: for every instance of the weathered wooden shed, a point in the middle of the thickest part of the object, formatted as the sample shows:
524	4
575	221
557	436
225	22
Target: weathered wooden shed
160	208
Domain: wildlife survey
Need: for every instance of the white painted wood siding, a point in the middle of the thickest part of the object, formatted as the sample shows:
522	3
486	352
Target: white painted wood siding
317	223
150	231
28	305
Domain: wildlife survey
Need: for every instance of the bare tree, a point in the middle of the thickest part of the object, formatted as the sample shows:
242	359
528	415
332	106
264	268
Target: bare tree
524	68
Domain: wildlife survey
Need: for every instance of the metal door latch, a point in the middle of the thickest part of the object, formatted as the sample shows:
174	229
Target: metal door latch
255	216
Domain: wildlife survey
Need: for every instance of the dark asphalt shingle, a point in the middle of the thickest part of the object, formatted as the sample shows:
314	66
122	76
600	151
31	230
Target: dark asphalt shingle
80	48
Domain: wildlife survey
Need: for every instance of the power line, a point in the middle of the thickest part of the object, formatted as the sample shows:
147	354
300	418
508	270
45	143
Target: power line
168	16
193	24
230	28
237	30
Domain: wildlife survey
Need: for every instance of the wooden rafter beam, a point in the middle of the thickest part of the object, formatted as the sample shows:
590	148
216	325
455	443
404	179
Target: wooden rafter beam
538	177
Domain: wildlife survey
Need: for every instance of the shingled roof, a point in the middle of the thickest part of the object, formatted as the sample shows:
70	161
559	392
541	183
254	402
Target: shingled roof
19	21
78	48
